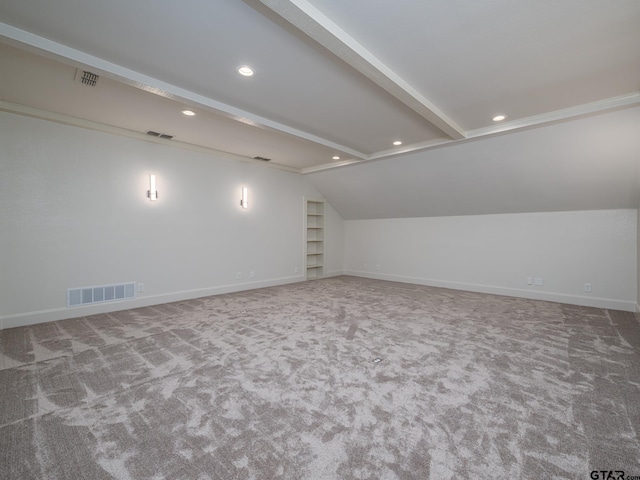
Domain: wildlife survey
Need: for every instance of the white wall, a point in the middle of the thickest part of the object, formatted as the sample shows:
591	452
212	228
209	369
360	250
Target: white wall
496	254
74	213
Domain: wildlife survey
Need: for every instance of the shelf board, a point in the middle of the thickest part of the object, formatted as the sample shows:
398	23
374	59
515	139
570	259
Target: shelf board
315	253
313	266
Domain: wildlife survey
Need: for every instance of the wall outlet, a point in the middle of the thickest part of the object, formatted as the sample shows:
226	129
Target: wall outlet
587	287
537	281
377	266
239	276
252	274
365	265
529	280
295	269
141	287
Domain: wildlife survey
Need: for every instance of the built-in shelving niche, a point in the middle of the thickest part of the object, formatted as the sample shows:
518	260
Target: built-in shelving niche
314	244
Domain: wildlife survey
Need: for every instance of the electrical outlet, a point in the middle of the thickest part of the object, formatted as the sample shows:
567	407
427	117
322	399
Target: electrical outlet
295	269
252	274
377	266
141	287
239	276
365	265
529	280
587	287
537	281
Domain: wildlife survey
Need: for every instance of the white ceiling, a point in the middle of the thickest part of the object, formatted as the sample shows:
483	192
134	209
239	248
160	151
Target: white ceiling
341	78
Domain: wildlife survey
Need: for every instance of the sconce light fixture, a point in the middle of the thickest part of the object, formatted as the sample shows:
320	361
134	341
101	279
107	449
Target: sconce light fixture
152	193
244	202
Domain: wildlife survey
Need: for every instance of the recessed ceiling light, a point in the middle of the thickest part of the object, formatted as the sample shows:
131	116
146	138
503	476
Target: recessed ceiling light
188	113
245	70
336	157
499	118
397	142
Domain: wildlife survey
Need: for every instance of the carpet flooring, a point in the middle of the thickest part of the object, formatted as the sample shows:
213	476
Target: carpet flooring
339	378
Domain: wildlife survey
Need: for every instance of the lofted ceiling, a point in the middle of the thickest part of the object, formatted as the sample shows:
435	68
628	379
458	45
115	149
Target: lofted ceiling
332	79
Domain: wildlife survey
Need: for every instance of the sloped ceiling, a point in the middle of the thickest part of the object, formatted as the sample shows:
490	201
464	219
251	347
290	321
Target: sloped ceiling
586	164
347	79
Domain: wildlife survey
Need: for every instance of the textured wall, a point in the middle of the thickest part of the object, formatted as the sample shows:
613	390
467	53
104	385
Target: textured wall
496	254
75	213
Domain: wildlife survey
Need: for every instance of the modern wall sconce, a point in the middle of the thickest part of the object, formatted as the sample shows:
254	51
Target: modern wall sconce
152	193
244	202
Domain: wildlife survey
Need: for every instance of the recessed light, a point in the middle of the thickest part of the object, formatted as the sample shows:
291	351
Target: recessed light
188	113
245	70
499	118
397	142
336	157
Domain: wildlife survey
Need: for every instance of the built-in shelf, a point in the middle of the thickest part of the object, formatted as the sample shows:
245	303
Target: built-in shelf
314	238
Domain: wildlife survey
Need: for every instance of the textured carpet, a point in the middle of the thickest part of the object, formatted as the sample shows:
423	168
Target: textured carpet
283	382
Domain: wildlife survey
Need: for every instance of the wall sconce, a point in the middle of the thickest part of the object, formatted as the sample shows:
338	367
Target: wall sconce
244	202
152	193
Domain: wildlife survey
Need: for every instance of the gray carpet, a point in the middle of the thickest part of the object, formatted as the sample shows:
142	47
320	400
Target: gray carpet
282	383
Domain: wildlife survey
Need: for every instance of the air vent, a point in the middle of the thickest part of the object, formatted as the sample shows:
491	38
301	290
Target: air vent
105	293
262	158
159	135
86	78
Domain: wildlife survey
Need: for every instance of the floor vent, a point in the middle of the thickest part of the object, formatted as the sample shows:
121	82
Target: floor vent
105	293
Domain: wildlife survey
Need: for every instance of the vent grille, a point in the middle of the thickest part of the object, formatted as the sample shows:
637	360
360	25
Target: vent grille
87	78
100	294
264	159
159	135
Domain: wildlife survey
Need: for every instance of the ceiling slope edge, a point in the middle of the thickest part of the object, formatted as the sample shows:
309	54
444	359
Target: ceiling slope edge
559	115
123	132
313	23
550	118
39	45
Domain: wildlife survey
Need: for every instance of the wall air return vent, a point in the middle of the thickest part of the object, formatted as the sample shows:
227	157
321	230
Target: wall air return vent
264	159
86	78
77	297
159	135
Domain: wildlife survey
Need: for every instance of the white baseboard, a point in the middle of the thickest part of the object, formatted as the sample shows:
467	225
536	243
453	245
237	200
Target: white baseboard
335	273
31	318
598	302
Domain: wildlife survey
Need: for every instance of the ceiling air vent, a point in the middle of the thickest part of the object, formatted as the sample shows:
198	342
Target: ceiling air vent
262	158
159	135
86	78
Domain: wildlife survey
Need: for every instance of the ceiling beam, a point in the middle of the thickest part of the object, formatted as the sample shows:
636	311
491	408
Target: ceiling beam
598	106
313	23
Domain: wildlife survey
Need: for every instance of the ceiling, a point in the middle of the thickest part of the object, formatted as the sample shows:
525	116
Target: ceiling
340	79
